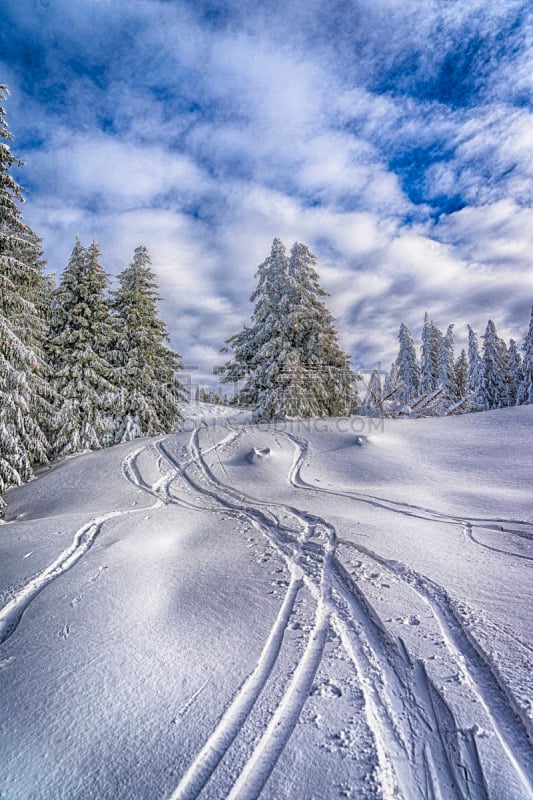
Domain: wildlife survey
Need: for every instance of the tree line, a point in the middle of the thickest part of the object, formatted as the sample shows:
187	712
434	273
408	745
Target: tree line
289	364
493	375
81	367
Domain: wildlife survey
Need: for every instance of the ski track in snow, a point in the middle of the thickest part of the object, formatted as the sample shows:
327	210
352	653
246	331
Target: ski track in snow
423	752
228	728
469	532
190	702
405	710
465	653
303	452
84	538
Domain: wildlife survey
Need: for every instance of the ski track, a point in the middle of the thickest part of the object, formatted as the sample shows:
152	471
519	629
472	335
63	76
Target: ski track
12	612
469	532
237	712
84	538
422	751
303	452
400	685
190	702
464	651
278	731
397	736
230	724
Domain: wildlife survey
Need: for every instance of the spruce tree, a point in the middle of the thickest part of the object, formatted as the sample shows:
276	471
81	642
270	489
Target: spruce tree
516	375
525	392
391	387
372	405
258	349
324	367
461	375
408	368
494	384
290	356
24	410
145	368
447	365
79	342
475	372
429	362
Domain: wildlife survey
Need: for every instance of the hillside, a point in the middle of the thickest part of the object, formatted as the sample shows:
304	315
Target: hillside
317	609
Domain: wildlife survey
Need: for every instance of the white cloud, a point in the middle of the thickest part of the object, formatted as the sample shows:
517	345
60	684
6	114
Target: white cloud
117	171
289	124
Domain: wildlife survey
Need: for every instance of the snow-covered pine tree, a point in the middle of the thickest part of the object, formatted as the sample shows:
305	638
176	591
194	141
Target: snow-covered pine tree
38	291
372	405
79	342
461	375
494	384
515	375
429	361
263	339
525	392
391	385
447	365
408	368
325	368
23	387
475	373
290	355
145	367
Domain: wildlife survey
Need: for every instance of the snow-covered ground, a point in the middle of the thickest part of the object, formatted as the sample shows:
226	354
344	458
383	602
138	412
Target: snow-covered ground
318	609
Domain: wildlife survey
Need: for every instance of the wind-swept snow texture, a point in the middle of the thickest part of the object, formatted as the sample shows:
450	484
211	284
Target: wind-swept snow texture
318	609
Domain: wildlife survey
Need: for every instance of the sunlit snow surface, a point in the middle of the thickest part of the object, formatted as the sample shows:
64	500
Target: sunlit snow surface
318	609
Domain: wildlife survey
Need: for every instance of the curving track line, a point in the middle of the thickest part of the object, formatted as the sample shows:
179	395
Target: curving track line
464	651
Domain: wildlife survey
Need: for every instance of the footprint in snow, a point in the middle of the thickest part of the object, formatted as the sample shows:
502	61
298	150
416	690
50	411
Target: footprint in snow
97	574
65	631
327	689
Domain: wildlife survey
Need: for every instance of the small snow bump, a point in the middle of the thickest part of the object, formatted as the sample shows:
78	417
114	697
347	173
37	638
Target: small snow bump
257	455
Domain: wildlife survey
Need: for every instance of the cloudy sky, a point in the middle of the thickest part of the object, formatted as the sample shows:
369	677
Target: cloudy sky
394	137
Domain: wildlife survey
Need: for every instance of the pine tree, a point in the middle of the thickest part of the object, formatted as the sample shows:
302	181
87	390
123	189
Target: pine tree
429	362
525	392
372	405
494	385
326	369
447	365
475	372
145	368
516	375
461	375
289	356
79	342
408	368
23	388
391	388
265	333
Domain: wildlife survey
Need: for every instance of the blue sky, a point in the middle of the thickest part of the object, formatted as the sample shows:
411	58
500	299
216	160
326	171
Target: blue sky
394	138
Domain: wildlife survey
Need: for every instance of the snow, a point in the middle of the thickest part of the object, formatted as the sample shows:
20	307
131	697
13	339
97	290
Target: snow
306	609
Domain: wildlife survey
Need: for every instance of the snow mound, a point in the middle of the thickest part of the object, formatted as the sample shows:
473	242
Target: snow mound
258	455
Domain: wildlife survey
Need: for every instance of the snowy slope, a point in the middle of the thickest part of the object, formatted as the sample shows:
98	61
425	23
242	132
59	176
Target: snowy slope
316	609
